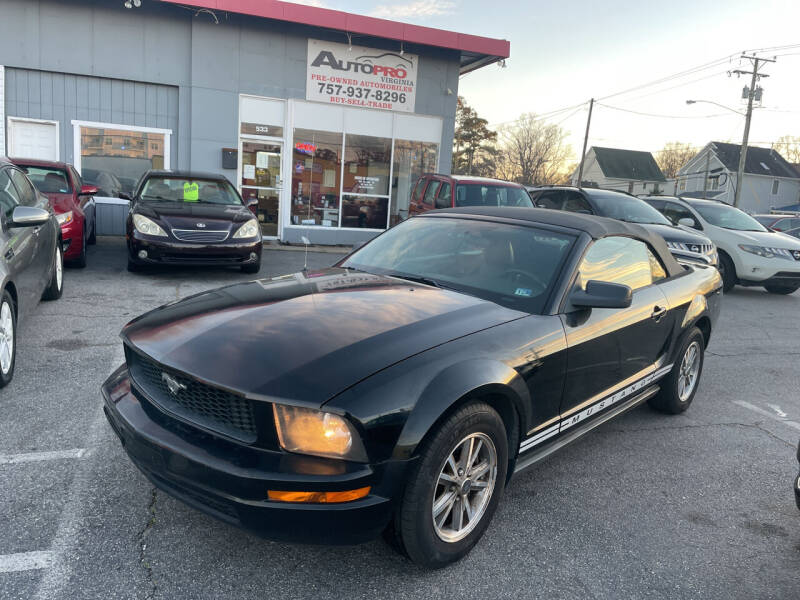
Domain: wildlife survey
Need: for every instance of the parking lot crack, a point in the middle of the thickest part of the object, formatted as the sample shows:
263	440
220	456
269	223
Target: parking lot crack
142	541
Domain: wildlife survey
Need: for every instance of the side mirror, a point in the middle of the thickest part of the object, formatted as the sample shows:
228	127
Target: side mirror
602	294
252	205
688	222
29	216
124	196
87	190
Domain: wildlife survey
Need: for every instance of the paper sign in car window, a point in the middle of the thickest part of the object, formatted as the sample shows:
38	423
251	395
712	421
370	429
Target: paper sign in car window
191	191
524	292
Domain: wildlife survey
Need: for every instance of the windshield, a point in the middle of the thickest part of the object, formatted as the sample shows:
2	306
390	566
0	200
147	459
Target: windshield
178	189
49	181
728	217
627	208
514	266
478	194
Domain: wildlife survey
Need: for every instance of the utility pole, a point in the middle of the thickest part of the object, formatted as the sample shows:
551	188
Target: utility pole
585	140
755	75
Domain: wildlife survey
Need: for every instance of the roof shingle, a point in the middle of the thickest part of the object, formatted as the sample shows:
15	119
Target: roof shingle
617	163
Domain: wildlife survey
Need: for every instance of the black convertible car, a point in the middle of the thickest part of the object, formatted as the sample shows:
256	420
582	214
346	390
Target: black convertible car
188	218
398	391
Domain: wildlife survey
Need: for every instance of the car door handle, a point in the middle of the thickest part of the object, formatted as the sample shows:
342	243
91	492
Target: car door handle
658	313
9	254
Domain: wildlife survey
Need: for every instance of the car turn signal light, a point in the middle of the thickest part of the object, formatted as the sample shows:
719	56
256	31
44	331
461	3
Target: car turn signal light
319	497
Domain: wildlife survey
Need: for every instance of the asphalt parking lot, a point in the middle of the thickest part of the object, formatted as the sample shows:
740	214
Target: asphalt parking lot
647	506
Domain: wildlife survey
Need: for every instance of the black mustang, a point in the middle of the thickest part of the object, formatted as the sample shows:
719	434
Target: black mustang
399	390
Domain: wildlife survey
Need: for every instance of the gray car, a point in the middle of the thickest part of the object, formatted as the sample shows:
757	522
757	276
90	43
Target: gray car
31	260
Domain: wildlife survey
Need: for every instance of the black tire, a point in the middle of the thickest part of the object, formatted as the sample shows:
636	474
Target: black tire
55	286
413	523
80	262
782	289
728	272
671	399
7	301
252	268
133	267
92	239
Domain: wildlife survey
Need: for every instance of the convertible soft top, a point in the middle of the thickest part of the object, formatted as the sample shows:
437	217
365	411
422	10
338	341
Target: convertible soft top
596	227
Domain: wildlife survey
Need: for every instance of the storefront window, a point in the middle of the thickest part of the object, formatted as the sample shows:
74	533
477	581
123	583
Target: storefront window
411	160
113	160
365	212
316	178
366	165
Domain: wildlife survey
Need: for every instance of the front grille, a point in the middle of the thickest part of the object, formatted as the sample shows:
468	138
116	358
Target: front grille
201	235
203	258
195	402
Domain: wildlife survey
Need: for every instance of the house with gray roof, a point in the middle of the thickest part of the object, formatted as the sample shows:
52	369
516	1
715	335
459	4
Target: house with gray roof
631	171
769	180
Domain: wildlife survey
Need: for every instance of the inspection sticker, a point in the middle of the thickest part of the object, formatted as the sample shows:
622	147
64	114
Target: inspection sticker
524	292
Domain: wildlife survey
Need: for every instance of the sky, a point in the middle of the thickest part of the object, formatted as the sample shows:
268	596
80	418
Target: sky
563	53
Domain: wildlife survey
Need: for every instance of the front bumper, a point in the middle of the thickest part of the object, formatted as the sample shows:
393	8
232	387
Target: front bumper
72	244
174	252
757	270
229	480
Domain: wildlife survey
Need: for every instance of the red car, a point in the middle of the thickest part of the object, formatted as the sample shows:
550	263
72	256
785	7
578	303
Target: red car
434	190
72	202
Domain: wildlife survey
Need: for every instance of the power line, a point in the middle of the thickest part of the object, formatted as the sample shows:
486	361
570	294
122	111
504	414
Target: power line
645	114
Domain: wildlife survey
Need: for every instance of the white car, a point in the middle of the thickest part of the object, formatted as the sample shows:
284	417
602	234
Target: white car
749	254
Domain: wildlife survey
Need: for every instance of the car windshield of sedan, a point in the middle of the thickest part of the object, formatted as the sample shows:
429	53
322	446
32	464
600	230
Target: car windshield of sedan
728	217
476	194
180	189
628	208
515	266
49	181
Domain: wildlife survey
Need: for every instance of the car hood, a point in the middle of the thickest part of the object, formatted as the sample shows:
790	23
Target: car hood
769	239
187	215
306	337
676	234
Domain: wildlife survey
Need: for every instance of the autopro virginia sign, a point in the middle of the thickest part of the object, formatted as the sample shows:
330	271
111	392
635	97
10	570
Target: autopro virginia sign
361	77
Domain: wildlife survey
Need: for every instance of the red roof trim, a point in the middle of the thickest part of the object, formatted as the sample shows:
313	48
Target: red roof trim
357	24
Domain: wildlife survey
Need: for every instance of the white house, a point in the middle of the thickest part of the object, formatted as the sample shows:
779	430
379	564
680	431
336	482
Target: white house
770	181
629	171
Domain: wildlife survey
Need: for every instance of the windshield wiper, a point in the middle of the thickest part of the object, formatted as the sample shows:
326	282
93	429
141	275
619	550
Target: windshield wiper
416	279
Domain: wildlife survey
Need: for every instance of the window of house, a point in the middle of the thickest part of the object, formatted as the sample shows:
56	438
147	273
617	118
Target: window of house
316	177
365	181
619	260
682	185
775	184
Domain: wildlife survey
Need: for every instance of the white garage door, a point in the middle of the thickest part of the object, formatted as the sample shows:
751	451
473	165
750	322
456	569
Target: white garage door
32	139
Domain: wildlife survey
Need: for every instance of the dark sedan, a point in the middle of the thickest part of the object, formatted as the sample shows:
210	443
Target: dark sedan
687	246
31	261
399	390
182	218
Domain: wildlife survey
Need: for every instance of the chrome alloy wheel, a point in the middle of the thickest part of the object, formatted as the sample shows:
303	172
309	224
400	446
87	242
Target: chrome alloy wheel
690	367
6	337
464	488
59	267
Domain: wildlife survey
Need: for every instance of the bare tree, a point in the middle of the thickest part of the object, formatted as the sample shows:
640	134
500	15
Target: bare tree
532	152
789	147
673	156
473	143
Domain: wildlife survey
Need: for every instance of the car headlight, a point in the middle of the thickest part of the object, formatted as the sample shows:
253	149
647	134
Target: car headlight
65	218
248	230
677	246
765	252
147	226
309	431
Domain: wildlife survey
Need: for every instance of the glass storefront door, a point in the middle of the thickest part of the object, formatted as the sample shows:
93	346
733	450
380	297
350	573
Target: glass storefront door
261	180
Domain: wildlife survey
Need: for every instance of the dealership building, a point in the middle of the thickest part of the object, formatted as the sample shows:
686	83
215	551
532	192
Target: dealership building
326	118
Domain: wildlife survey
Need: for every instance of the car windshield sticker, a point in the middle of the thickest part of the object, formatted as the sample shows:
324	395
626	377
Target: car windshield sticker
524	292
191	192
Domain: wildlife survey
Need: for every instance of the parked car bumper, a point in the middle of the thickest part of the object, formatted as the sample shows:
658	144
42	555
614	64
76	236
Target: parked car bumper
230	480
757	270
169	251
72	239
